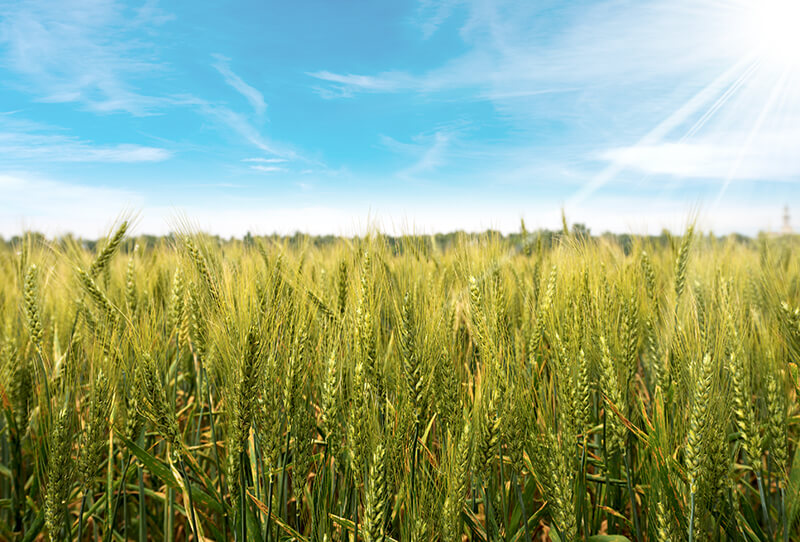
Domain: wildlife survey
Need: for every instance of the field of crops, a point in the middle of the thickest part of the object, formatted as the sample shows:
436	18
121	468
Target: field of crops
561	387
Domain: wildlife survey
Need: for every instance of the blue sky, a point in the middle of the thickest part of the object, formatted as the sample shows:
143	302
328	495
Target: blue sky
324	116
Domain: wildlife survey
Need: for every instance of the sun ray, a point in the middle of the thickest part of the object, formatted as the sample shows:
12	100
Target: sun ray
768	106
744	115
675	119
722	100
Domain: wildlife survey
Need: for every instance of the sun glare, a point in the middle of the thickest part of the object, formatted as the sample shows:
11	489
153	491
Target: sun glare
774	30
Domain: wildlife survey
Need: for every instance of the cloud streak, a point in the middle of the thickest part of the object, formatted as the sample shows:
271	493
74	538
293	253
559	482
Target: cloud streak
75	51
428	152
241	125
770	158
267	169
81	151
23	141
252	95
265	160
383	82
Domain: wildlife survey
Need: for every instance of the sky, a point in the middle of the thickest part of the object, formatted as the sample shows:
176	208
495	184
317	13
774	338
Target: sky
332	117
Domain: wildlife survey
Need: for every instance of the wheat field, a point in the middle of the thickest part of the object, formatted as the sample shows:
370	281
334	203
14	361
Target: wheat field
560	387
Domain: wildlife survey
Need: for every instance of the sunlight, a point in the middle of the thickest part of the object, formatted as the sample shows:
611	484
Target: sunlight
772	29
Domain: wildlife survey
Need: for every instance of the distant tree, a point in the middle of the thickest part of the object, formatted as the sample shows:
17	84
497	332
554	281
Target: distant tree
248	240
581	231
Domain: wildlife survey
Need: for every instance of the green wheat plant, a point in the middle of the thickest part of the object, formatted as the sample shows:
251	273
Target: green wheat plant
471	387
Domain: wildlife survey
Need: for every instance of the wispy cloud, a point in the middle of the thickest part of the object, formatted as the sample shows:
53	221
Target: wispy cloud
431	14
150	13
25	141
267	169
251	94
66	150
76	51
427	151
265	160
241	125
383	82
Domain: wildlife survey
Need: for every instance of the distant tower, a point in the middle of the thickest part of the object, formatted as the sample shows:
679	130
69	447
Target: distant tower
787	226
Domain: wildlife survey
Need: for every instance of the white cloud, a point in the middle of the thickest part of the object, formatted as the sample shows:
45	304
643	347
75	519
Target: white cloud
150	13
427	151
431	15
384	82
22	141
768	156
267	169
265	160
251	94
76	51
51	150
242	126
